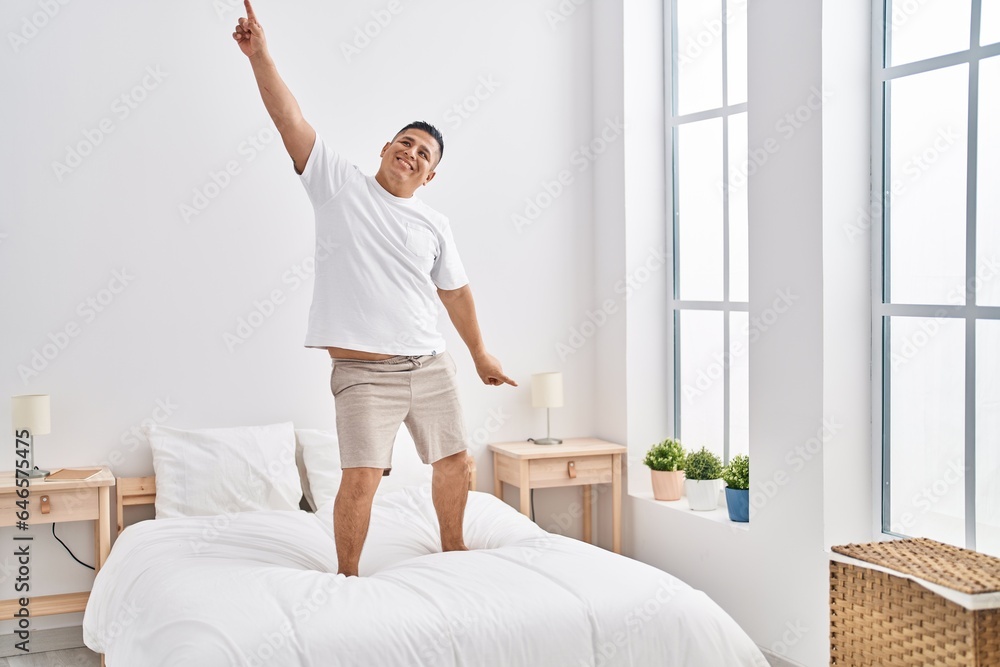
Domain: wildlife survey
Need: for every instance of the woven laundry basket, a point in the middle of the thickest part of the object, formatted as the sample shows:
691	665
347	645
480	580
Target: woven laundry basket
880	618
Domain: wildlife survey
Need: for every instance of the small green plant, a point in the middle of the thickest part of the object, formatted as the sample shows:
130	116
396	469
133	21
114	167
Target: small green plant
667	455
737	473
702	465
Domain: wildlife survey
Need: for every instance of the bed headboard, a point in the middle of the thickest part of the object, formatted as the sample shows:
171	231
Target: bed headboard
142	491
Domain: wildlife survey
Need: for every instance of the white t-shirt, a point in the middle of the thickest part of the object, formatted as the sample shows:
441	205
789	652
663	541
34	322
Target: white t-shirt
379	260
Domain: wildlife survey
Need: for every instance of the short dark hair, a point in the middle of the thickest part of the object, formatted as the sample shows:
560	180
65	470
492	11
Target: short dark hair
429	129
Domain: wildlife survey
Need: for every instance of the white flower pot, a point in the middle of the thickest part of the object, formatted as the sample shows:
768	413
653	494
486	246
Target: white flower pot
702	494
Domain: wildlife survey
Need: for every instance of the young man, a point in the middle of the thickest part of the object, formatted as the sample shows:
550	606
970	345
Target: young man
374	309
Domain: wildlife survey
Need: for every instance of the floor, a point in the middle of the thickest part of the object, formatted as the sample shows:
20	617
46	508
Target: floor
72	657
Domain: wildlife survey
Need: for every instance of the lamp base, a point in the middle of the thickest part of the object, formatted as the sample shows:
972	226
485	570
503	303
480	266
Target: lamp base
37	472
546	441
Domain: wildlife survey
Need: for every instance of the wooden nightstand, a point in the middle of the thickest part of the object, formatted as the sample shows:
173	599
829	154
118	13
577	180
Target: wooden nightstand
56	502
576	462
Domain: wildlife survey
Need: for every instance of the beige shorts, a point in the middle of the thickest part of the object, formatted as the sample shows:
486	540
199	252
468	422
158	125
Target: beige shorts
374	397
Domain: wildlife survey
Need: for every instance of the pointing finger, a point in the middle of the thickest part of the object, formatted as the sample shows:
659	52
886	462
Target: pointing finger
250	12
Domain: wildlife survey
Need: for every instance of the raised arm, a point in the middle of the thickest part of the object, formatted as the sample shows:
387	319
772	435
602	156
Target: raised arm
296	133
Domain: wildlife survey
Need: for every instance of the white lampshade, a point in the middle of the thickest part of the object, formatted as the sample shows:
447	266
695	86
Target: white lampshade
547	390
30	412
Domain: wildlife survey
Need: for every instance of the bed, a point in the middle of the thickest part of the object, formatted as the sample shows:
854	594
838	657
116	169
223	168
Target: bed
259	587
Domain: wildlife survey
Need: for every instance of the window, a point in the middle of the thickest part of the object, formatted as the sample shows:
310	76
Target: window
710	167
937	269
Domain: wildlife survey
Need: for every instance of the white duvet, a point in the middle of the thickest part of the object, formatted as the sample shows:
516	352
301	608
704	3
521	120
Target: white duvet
260	588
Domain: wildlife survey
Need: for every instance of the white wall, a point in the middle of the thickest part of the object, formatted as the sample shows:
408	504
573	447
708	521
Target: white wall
565	77
160	340
809	383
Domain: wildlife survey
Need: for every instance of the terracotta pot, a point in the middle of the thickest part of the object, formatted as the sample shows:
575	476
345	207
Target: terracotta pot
703	495
667	484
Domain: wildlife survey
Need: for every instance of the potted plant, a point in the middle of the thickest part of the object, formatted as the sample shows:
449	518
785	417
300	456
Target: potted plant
703	472
666	465
737	478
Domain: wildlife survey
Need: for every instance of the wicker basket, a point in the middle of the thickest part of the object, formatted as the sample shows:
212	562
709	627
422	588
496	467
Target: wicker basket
882	620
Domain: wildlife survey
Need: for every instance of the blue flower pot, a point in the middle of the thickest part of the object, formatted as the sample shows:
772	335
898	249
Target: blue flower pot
738	503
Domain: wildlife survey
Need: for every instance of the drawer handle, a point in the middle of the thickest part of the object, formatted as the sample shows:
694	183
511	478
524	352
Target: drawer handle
46	508
571	469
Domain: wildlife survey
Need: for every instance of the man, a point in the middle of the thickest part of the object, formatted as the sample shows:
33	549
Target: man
374	309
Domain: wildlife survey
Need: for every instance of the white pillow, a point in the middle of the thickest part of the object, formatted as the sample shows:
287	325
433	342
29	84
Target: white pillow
321	455
321	458
205	472
303	477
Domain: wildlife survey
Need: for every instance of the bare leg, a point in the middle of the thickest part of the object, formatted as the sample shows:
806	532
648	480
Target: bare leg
351	513
449	491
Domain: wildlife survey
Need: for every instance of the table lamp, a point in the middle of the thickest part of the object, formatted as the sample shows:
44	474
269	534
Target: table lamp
31	413
547	392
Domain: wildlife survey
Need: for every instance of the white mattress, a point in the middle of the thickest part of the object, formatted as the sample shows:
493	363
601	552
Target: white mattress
260	588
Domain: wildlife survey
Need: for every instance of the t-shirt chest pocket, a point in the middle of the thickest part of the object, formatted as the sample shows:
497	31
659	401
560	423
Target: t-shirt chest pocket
420	241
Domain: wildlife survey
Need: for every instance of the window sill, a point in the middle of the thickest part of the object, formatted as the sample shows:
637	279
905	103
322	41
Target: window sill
719	515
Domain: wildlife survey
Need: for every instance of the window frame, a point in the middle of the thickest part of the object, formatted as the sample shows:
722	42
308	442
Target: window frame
675	304
882	308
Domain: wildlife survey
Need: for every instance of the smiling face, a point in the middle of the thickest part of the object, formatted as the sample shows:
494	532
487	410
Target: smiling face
408	162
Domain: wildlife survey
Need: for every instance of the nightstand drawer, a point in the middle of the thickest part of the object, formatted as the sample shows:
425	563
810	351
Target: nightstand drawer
556	472
64	505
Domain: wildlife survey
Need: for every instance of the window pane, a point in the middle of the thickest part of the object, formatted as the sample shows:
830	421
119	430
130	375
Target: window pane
739	248
699	206
701	368
736	54
989	29
927	428
988	194
699	55
928	124
926	28
739	384
988	437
